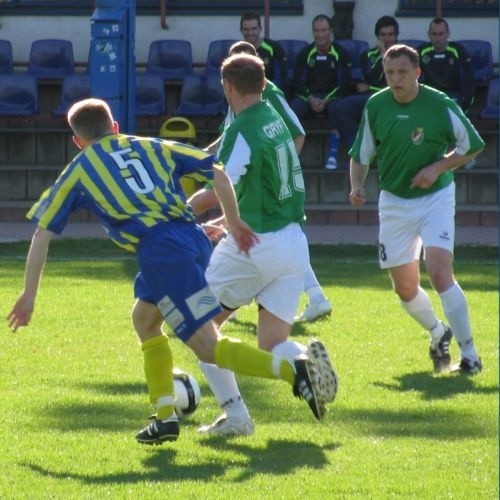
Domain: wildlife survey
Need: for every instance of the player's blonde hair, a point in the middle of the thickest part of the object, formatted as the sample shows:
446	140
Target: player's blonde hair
242	47
90	119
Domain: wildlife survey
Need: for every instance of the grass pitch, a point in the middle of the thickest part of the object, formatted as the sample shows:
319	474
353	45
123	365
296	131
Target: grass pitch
72	394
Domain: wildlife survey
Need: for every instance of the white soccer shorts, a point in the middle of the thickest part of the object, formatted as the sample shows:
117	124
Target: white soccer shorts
273	273
408	224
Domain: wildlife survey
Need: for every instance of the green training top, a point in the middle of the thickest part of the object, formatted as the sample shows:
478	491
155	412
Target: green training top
260	158
404	138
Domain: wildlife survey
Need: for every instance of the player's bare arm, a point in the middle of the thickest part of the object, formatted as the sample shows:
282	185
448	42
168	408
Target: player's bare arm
243	235
203	200
428	175
358	173
37	256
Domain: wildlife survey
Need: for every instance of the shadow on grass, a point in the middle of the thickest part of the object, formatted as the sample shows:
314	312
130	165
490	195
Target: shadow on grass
436	387
428	423
84	414
277	458
116	388
80	417
160	465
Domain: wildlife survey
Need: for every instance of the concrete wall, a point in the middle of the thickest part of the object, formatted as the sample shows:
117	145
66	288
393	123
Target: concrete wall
23	30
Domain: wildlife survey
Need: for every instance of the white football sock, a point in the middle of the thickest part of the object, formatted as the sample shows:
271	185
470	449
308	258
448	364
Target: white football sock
456	311
312	287
223	384
289	350
421	310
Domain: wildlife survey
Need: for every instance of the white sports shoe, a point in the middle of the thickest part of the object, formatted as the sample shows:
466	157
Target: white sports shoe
331	163
226	426
315	310
328	379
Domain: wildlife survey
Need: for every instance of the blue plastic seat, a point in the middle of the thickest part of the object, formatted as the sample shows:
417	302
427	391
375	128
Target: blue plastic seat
74	88
218	50
150	95
481	54
202	95
18	95
412	42
292	48
491	110
355	48
51	58
171	59
6	58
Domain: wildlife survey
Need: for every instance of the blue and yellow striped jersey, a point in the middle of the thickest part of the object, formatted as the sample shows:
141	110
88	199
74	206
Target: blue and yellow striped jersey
131	183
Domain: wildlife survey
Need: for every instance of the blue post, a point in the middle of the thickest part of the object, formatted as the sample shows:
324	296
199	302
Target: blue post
112	58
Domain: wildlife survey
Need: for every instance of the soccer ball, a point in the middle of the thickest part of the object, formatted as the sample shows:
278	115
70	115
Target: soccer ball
187	393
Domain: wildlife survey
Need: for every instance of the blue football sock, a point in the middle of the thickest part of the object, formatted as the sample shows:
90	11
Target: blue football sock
333	144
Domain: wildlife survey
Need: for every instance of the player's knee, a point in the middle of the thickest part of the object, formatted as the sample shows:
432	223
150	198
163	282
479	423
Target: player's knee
441	279
147	320
406	291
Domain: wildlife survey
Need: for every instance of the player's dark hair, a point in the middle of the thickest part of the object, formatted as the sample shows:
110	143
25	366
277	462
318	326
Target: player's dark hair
245	72
439	20
399	50
385	22
322	17
249	16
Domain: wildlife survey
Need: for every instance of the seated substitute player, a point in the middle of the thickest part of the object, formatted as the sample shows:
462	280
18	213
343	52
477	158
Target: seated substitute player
269	51
318	305
447	66
350	108
321	78
133	185
262	163
418	136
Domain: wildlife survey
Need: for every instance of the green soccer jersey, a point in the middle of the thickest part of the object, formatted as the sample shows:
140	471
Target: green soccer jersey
262	163
404	138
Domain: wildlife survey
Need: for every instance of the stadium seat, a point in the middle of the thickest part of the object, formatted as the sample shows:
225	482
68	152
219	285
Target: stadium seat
481	54
150	95
6	59
355	48
202	95
18	95
74	88
412	42
51	58
217	52
492	109
171	59
292	48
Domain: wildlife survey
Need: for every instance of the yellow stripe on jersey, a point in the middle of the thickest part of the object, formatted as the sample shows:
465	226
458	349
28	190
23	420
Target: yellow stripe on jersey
56	202
148	219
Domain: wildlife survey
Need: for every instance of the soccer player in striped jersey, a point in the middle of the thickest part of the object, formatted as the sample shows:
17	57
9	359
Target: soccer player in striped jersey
133	185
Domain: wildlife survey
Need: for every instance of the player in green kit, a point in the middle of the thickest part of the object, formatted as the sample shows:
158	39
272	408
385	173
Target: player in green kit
318	304
261	160
418	136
